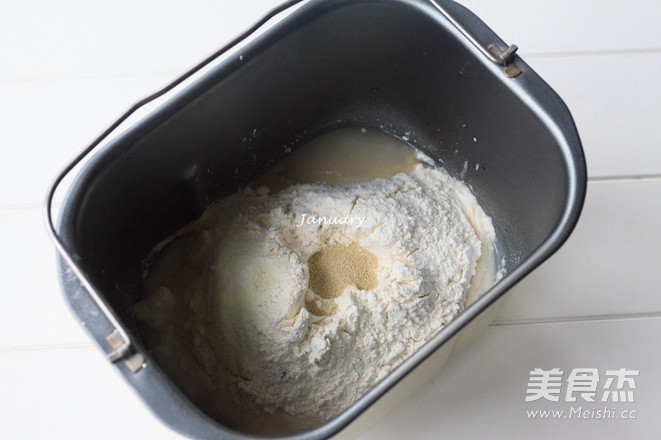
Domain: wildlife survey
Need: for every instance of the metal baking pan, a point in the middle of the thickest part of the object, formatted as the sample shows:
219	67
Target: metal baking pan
430	70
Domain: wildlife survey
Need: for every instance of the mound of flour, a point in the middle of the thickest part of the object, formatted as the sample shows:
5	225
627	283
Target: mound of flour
306	316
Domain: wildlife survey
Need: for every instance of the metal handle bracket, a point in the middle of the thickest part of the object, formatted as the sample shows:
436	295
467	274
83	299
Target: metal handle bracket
502	56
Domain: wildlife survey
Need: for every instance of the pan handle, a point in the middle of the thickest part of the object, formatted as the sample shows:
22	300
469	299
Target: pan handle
501	56
120	346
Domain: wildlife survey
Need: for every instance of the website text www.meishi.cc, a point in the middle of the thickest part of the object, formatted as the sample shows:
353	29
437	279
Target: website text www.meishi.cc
580	412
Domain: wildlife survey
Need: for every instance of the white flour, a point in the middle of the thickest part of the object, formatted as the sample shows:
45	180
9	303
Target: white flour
258	329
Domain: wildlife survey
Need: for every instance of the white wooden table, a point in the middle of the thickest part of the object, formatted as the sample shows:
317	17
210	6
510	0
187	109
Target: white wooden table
68	68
